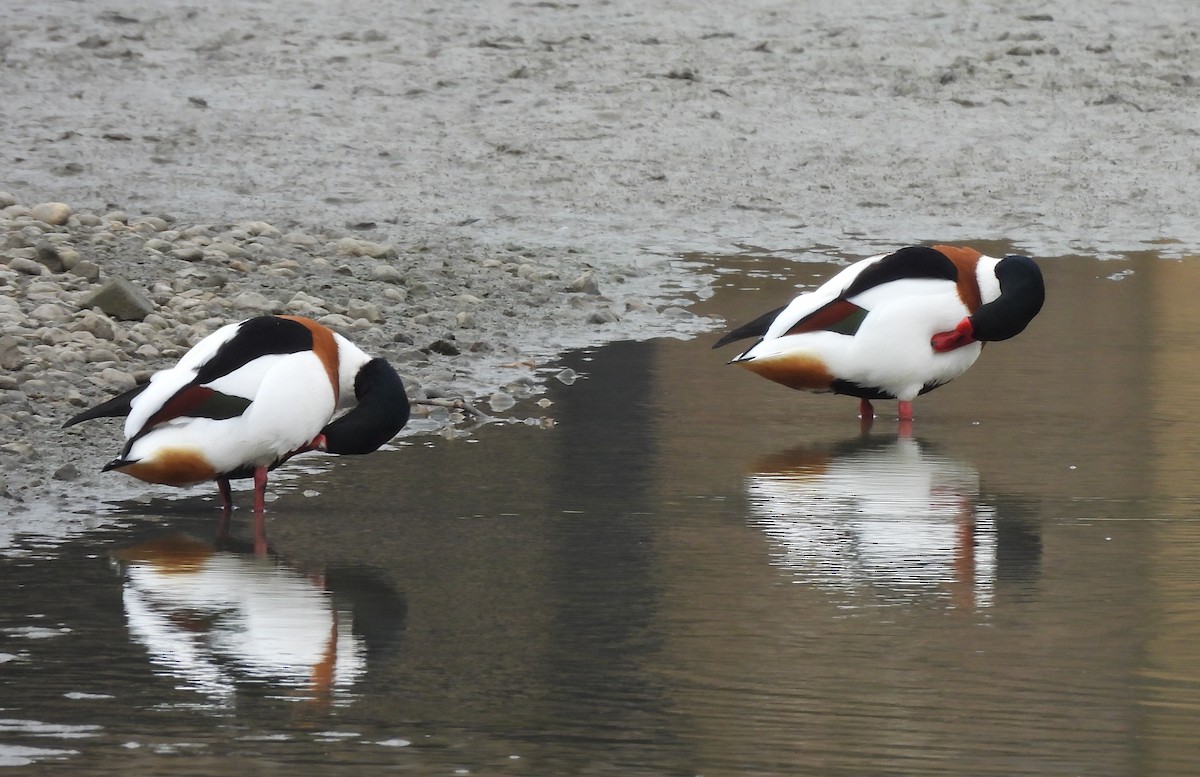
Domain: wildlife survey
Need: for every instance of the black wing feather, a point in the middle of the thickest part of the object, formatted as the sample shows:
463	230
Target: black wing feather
262	336
756	328
910	262
117	406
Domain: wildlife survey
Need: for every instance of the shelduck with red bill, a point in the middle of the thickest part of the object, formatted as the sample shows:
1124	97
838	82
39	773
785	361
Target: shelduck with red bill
250	396
894	326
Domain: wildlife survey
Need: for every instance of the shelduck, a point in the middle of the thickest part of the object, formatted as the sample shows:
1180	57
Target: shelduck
894	326
250	396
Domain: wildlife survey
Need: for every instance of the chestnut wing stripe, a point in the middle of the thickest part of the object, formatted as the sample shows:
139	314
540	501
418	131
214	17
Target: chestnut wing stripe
838	316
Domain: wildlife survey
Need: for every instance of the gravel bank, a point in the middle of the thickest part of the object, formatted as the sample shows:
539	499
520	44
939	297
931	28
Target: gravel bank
91	304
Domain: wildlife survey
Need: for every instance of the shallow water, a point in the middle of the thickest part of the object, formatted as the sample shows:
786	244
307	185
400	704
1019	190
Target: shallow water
693	571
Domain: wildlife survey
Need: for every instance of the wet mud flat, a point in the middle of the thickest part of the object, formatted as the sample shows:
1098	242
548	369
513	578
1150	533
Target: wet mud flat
611	127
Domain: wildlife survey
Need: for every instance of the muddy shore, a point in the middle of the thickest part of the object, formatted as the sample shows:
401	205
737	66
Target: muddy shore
510	179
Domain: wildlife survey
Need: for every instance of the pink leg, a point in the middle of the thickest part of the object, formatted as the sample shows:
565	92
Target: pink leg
906	420
865	410
260	507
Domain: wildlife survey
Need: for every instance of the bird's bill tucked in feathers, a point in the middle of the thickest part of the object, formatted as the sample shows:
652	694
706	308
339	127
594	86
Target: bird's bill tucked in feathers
961	335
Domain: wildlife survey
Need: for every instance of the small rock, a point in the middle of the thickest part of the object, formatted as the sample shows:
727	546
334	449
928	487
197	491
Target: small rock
55	213
121	300
253	300
189	253
299	239
350	246
48	255
66	472
49	312
112	378
337	322
360	309
100	326
603	316
86	270
501	401
11	358
465	320
69	257
22	450
444	347
101	355
674	311
585	284
387	274
7	200
151	224
27	266
260	228
567	376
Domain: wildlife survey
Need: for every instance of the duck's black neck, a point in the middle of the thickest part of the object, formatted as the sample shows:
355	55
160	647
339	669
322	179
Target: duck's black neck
1022	293
381	412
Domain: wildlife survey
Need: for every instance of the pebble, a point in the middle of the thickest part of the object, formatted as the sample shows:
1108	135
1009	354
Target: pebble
120	299
585	284
48	255
189	253
49	312
98	325
501	401
11	356
300	239
66	472
351	246
387	274
603	316
89	271
255	302
117	380
27	266
55	213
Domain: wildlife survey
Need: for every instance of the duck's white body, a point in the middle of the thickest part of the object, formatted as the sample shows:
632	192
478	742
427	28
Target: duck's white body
248	397
893	325
292	399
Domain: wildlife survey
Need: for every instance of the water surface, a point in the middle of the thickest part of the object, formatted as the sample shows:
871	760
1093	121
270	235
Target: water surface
692	571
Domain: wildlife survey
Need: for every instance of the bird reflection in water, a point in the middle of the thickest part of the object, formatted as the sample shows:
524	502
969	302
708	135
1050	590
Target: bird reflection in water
879	521
220	619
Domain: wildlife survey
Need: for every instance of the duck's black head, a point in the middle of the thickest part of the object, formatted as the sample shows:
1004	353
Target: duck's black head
381	412
1022	293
